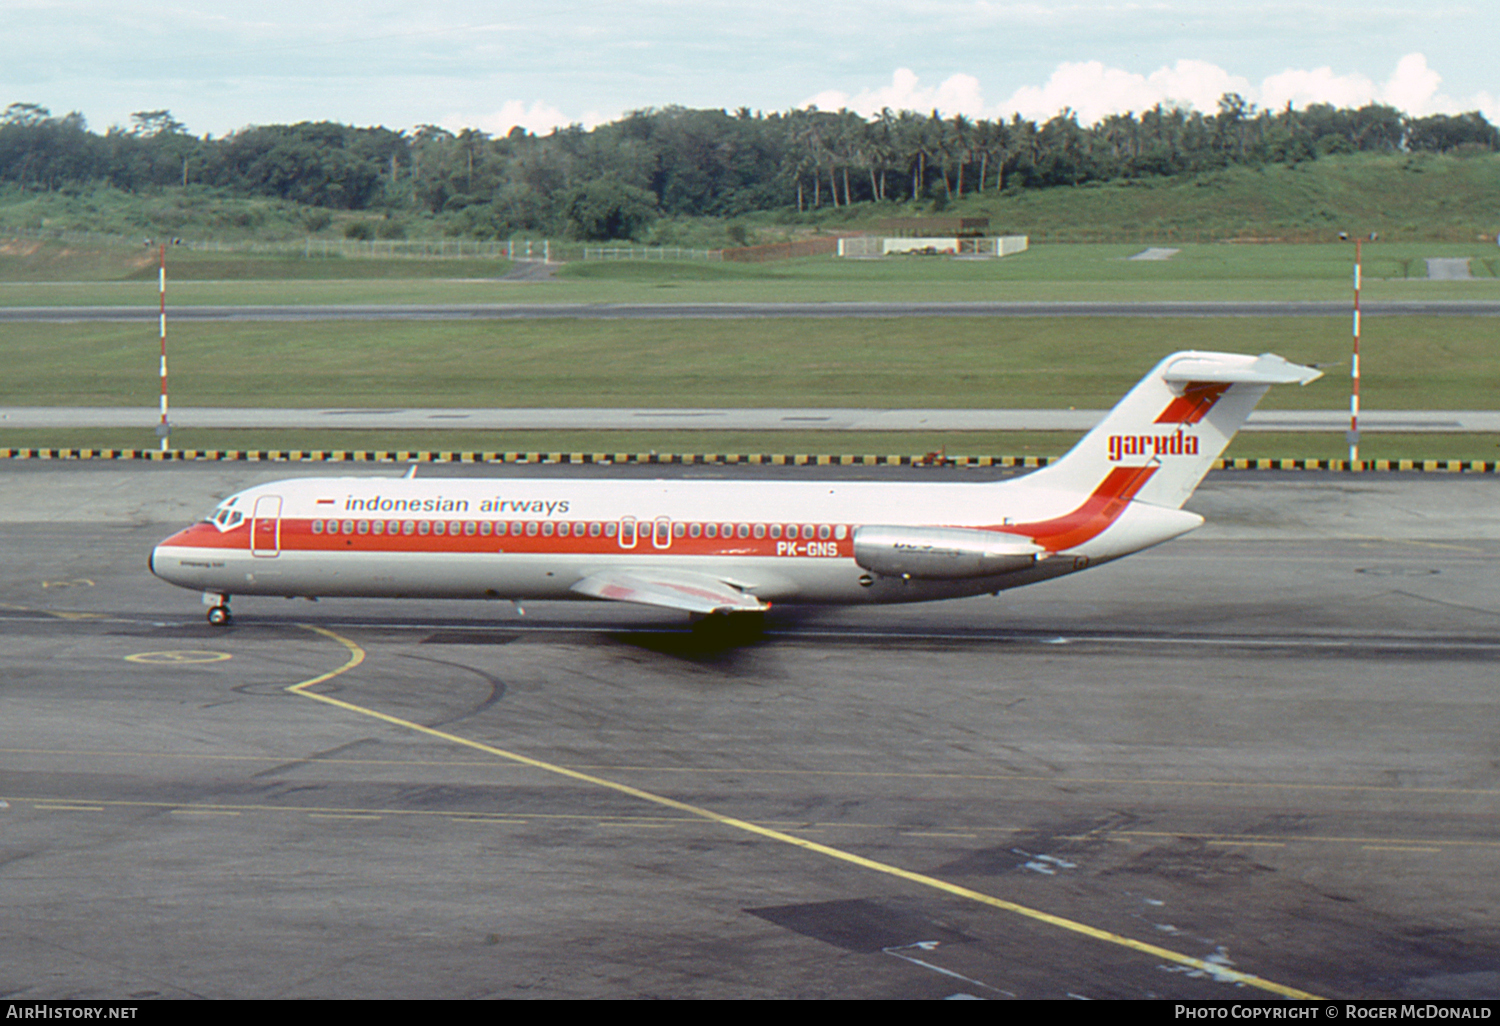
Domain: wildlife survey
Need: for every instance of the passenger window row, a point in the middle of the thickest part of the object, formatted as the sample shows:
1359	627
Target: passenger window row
578	529
453	527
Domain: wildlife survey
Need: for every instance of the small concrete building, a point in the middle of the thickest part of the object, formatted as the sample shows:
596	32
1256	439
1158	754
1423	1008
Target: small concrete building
943	236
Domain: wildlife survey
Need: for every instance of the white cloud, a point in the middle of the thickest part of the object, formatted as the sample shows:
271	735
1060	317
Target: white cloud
540	118
1094	90
1411	89
1413	86
1320	85
958	94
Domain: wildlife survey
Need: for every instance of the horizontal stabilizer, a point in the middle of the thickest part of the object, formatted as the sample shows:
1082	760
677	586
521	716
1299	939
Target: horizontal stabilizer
1265	369
690	592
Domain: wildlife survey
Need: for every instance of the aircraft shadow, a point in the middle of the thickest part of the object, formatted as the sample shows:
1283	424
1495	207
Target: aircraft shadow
713	640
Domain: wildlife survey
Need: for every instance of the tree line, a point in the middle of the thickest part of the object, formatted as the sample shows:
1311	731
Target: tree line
610	182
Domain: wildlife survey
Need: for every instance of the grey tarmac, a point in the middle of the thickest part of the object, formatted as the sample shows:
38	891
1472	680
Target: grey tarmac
1449	269
1266	748
724	311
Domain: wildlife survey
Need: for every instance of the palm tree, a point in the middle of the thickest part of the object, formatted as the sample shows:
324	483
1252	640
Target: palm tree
960	138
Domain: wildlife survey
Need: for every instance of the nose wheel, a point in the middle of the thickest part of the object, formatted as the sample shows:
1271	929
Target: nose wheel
218	613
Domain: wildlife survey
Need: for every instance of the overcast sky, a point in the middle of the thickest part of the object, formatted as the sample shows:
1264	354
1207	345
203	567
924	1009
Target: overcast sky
490	65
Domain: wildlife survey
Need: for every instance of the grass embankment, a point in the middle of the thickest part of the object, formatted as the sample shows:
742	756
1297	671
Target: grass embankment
1416	197
1409	363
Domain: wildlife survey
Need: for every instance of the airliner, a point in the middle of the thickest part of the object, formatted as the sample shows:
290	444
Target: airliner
733	547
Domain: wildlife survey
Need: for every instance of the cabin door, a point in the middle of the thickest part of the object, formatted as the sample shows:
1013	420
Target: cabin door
265	526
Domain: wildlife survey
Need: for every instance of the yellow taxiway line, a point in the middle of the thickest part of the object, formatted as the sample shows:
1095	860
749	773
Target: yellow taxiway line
1218	972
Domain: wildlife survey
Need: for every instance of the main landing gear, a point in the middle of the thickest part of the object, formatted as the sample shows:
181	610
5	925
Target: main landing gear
218	613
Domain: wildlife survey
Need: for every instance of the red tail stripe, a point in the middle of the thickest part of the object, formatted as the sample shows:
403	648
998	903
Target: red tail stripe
1194	403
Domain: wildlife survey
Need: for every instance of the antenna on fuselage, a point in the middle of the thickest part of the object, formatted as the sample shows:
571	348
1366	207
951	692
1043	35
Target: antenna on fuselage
411	473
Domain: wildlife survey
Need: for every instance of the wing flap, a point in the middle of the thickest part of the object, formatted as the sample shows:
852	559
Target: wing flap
693	593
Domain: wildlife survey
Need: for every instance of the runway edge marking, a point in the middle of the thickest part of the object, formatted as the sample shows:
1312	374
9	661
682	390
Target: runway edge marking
1218	972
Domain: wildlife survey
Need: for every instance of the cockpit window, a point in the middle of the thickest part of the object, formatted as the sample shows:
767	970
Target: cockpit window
224	516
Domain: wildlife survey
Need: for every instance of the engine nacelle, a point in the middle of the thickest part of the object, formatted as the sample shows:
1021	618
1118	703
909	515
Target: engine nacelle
941	553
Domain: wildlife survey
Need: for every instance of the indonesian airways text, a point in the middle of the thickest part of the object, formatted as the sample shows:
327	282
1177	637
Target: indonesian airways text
439	504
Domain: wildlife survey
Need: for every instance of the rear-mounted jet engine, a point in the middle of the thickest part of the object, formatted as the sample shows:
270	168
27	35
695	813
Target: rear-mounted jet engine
941	553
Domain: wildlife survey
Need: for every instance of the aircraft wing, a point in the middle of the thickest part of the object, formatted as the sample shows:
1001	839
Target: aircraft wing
693	593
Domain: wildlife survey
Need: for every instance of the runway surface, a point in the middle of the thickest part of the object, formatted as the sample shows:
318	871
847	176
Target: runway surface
774	419
1259	761
624	311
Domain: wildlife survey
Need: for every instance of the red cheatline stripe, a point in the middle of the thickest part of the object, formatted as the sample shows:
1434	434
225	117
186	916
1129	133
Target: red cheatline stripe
296	536
1089	520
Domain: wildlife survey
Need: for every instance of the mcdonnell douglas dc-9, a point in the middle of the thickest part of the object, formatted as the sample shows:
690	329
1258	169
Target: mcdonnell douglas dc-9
725	547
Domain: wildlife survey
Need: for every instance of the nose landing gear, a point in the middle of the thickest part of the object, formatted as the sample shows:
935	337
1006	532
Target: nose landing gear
218	613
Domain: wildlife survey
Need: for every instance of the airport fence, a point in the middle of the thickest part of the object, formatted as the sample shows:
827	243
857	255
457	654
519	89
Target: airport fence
315	248
650	253
427	249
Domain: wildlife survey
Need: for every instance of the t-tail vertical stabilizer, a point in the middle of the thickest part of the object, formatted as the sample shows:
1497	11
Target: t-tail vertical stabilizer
1173	425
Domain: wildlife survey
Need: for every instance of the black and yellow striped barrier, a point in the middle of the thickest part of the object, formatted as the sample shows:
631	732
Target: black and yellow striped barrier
690	459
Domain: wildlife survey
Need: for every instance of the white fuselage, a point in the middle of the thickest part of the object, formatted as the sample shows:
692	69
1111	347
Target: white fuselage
537	538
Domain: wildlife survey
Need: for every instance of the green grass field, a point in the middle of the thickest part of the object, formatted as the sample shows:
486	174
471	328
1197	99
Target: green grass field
54	275
1224	263
1409	362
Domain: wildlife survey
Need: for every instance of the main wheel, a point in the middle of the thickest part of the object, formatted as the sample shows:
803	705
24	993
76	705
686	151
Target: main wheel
219	616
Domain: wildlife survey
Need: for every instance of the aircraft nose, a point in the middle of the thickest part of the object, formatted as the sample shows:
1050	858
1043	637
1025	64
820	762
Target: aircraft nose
168	551
156	551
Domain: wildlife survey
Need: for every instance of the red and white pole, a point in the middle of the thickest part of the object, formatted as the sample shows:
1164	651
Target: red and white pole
1354	463
164	430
